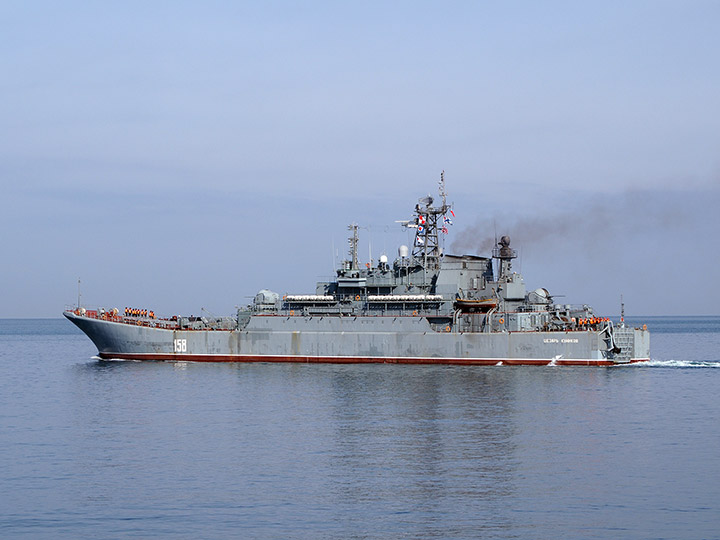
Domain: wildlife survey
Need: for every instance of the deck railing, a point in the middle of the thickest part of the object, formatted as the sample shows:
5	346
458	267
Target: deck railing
103	314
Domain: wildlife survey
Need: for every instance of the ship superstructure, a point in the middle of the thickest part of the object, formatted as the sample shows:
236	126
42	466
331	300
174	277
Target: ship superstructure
425	307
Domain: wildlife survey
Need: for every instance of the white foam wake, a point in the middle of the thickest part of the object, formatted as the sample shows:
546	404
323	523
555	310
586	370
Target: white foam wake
97	358
677	364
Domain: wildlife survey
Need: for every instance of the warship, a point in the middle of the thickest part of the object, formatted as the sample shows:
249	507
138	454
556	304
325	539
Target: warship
426	307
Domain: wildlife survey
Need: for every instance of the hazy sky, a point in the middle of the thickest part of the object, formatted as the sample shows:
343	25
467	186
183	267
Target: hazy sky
183	155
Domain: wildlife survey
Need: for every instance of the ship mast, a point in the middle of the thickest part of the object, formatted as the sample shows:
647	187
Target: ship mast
353	251
426	248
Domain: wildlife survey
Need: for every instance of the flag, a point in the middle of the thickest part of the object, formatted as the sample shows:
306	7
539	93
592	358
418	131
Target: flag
445	230
447	220
421	229
453	213
420	240
421	220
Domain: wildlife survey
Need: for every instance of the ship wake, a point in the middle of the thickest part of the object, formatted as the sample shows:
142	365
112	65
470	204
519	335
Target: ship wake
675	364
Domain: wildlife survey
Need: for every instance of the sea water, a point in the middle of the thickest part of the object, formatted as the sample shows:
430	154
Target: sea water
98	449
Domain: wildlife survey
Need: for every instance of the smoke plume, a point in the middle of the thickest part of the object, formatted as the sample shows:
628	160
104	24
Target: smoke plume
587	225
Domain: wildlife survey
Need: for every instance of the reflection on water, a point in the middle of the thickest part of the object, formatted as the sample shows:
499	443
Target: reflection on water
437	441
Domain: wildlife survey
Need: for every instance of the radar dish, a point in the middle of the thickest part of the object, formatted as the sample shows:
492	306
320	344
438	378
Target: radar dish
427	201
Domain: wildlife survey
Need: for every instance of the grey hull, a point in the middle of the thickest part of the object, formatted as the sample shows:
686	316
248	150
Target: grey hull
357	340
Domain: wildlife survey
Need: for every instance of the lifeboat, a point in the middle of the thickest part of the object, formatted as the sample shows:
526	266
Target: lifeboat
468	304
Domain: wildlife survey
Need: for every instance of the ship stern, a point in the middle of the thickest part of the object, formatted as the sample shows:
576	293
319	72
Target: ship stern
633	345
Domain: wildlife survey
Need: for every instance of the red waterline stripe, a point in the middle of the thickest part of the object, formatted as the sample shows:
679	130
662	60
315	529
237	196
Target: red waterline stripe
356	359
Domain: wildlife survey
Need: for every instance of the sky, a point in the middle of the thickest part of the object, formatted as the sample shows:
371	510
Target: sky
180	156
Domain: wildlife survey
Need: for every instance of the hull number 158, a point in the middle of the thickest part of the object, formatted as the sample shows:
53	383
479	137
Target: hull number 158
180	345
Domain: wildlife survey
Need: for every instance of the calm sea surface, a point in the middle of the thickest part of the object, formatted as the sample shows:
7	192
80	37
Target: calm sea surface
96	449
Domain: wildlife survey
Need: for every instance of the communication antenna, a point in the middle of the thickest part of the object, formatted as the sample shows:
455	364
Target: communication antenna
353	241
78	305
443	193
622	311
497	264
